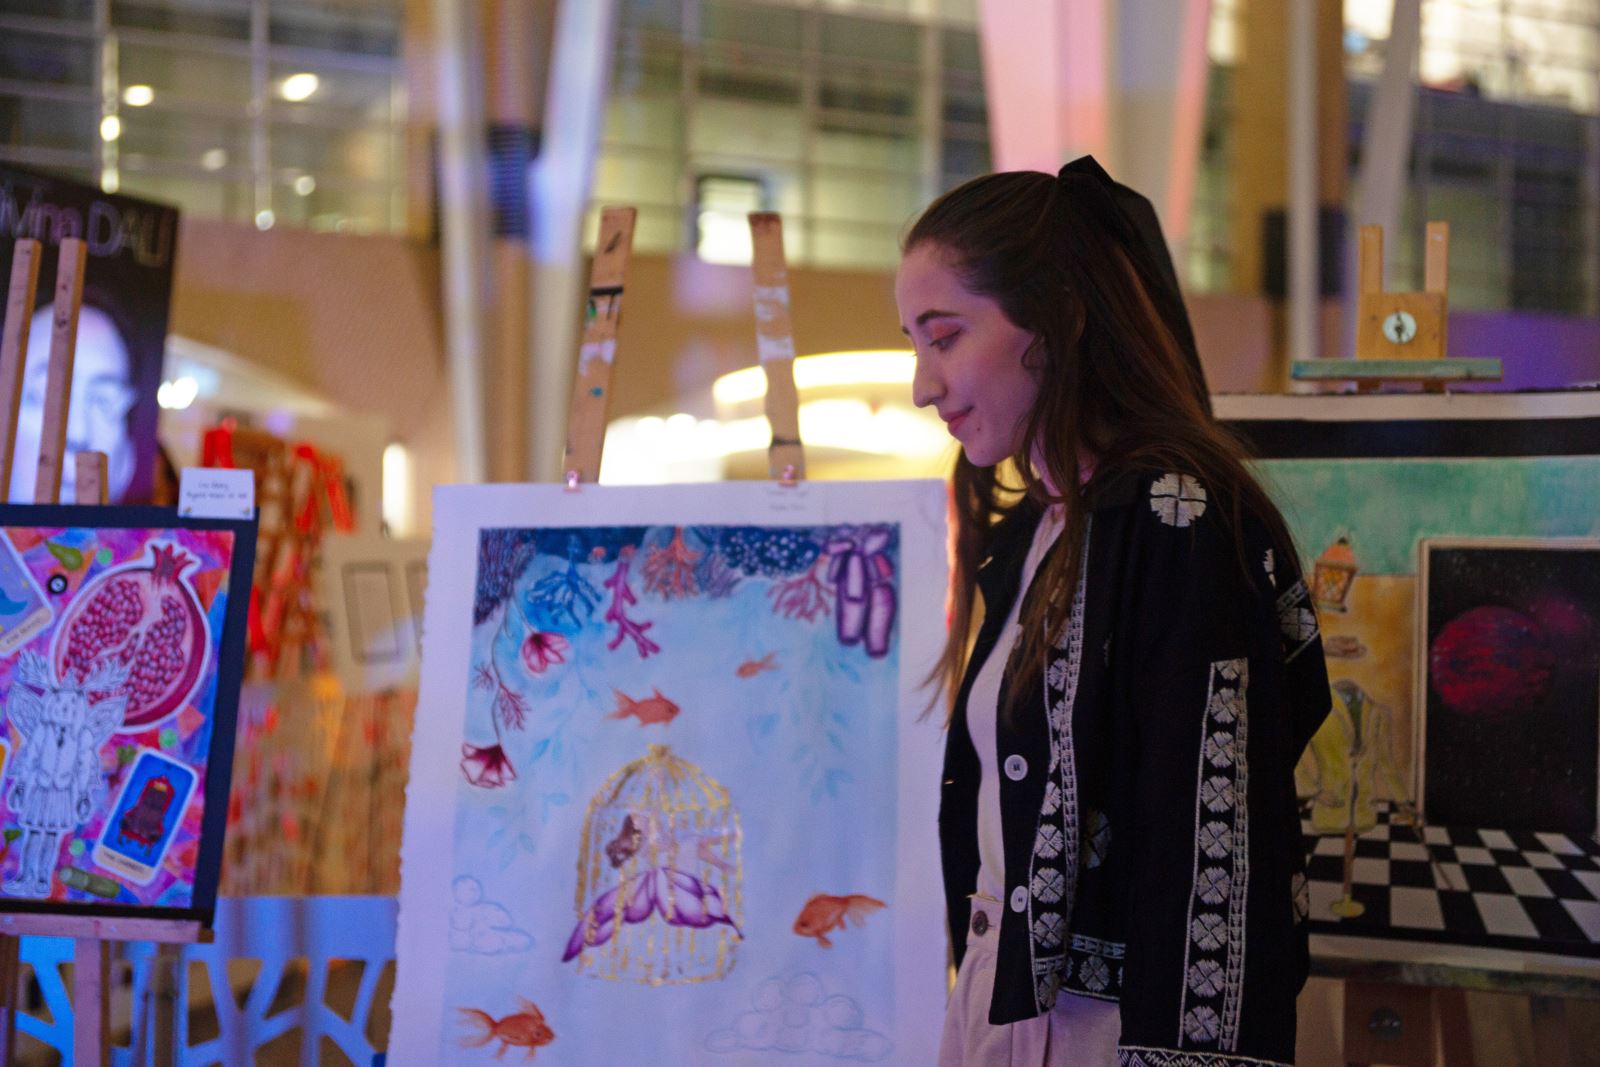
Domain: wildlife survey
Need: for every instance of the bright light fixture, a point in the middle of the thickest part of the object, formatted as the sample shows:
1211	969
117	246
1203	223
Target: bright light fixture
177	394
877	367
305	185
138	96
396	504
298	87
110	128
110	180
265	219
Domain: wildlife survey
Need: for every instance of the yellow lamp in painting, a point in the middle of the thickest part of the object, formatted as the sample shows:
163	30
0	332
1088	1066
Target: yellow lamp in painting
1331	575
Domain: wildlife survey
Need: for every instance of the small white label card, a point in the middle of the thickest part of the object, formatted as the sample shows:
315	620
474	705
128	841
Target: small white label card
217	493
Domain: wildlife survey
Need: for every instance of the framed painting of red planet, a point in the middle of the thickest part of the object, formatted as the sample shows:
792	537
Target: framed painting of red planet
1508	666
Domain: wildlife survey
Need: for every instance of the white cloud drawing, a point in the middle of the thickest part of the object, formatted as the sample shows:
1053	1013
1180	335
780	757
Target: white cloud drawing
482	926
798	1016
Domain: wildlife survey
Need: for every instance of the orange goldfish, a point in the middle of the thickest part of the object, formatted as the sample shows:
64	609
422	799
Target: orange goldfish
651	709
524	1029
752	667
824	912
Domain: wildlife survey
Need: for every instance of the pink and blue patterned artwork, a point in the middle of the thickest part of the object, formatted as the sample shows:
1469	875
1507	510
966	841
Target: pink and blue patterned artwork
109	665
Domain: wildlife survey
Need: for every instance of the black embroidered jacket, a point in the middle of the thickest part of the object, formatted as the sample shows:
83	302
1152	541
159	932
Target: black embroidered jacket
1152	838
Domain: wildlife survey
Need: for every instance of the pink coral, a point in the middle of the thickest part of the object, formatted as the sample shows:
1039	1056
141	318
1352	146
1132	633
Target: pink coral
669	571
803	597
617	613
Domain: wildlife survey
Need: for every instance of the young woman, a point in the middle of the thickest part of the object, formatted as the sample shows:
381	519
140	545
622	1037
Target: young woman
1119	829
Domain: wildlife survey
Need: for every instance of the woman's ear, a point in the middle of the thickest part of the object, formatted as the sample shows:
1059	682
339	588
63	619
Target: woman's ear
1034	356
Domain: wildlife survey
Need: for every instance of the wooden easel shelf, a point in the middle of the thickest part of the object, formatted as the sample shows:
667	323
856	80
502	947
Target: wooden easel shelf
1403	370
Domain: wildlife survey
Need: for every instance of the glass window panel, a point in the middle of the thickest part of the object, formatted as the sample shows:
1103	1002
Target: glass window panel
371	29
203	141
732	76
205	195
54	124
850	148
339	96
961	52
359	207
363	154
665	16
66	10
228	19
186	76
636	177
651	123
869	90
839	245
747	131
46	59
647	65
964	158
723	203
756	24
965	106
871	39
888	199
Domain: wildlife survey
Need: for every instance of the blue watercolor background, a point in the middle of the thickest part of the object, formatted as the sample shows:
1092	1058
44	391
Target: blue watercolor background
802	751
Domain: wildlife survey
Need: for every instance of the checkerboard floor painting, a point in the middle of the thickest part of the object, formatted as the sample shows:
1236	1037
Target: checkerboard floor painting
1533	892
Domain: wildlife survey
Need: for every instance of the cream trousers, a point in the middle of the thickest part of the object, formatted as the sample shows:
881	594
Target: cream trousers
1077	1032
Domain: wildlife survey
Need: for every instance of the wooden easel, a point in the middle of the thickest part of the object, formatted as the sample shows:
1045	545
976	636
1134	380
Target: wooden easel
91	982
586	417
786	458
1400	336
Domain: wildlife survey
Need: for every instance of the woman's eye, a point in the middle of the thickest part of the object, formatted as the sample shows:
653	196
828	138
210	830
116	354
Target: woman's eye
942	343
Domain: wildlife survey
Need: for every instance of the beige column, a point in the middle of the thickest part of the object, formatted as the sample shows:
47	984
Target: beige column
1260	101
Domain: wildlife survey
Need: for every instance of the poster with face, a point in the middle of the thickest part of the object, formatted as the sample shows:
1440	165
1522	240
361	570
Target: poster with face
122	329
121	648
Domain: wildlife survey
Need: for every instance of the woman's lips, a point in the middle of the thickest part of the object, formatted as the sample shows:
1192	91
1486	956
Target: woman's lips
953	424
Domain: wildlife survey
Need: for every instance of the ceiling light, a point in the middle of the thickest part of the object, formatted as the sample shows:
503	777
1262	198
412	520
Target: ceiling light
110	128
298	87
138	96
305	185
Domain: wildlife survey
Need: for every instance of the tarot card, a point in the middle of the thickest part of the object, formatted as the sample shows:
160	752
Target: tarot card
24	611
147	813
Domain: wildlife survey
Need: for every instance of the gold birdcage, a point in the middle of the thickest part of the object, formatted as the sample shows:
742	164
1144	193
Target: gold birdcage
660	876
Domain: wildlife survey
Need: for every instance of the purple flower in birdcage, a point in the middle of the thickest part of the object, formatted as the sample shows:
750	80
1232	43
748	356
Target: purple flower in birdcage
863	580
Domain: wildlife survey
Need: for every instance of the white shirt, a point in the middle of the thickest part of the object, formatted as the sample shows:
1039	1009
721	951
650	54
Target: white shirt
1081	1030
982	716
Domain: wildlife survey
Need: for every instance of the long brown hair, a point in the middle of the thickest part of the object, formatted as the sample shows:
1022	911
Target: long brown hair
1115	385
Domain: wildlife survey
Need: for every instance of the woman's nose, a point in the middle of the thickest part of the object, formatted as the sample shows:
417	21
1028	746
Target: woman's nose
925	387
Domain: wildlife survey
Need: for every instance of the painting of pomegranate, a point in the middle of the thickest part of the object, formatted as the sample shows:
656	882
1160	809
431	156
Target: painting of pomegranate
146	616
118	703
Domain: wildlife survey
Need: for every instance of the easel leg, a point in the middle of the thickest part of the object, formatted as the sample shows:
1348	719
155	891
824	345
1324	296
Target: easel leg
1552	1041
164	1021
10	996
91	1003
1455	1031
